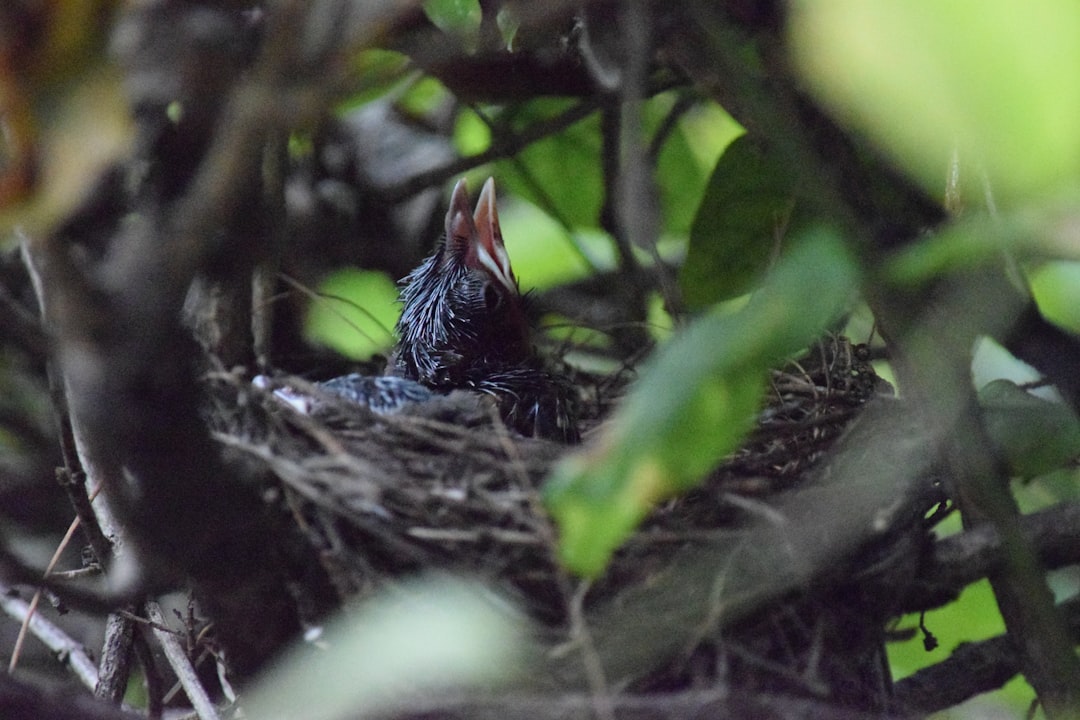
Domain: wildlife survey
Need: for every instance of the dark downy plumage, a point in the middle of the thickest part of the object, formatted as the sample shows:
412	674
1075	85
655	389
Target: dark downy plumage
463	325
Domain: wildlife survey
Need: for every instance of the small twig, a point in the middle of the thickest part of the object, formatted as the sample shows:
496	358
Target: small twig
504	147
181	665
599	692
146	622
151	676
683	104
510	537
67	650
77	472
16	570
328	300
32	607
76	574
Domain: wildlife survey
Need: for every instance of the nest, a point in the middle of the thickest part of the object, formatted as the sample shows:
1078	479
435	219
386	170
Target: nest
444	485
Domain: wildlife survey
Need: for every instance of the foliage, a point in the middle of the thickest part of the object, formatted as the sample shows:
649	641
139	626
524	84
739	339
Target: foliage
694	403
945	196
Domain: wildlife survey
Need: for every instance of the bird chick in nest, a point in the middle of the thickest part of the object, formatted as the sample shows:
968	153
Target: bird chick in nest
464	326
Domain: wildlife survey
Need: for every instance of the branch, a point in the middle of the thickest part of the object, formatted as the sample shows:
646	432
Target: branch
181	665
972	669
500	148
22	700
721	703
962	559
67	650
114	670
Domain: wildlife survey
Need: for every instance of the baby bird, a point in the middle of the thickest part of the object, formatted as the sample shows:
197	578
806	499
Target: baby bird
463	326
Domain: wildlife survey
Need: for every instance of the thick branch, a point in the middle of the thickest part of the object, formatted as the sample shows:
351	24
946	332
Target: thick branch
972	669
959	560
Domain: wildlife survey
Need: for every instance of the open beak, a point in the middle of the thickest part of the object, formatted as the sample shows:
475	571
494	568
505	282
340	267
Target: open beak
478	236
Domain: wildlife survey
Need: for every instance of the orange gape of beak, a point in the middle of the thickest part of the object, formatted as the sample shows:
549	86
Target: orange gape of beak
477	237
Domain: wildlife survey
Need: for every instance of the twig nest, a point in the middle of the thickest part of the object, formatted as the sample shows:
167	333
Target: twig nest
444	484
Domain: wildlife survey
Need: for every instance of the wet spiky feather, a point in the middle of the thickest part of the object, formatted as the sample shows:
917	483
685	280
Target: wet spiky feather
463	325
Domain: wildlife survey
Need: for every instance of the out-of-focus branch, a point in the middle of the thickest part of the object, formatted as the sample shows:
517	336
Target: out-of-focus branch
962	559
22	700
128	364
971	669
181	665
70	652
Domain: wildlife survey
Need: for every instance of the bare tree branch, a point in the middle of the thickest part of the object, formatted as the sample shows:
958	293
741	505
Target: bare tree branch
71	653
971	669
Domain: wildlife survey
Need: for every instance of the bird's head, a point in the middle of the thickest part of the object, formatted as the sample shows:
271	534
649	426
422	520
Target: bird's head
462	313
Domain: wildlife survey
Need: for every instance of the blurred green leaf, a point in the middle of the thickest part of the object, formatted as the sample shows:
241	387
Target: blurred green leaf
354	314
748	206
552	162
1036	435
957	246
995	83
690	150
693	403
424	96
427	635
460	18
539	247
1056	287
374	72
472	136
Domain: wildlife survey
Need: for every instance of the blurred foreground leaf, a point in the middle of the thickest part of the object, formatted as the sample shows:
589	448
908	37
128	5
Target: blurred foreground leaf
1036	435
1039	232
1056	287
872	482
995	84
694	402
426	636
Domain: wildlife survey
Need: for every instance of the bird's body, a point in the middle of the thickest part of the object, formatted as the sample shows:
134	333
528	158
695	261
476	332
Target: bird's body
463	325
462	314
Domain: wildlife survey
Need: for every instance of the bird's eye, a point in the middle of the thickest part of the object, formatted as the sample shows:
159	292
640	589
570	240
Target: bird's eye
492	297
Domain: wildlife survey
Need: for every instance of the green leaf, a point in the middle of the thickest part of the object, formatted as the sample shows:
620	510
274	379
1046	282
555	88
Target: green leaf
1056	287
693	404
550	163
421	636
354	313
472	136
690	150
541	251
994	84
749	204
1036	435
374	72
424	96
456	17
